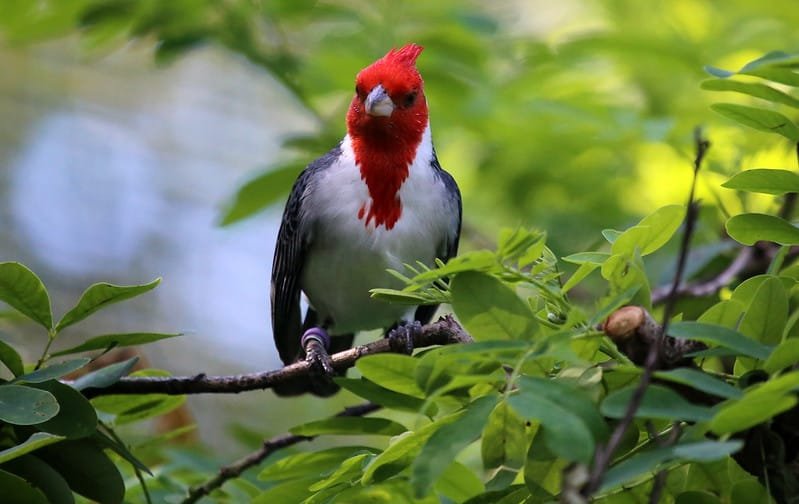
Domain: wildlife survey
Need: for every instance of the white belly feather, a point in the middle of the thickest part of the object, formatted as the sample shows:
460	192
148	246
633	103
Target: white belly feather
346	258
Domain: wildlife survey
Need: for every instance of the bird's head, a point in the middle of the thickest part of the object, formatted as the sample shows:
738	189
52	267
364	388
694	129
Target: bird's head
389	103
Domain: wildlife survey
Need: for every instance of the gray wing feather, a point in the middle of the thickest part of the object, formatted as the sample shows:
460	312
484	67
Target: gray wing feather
293	239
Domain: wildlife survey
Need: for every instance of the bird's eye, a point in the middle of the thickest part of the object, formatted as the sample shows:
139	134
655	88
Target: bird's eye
409	99
358	90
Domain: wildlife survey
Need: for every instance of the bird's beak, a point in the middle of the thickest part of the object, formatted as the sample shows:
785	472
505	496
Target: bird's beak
378	103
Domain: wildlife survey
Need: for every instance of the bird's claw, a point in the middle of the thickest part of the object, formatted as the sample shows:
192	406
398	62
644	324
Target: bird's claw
316	342
400	339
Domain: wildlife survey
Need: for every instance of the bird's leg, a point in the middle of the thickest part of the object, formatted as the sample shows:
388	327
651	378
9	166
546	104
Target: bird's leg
316	343
400	339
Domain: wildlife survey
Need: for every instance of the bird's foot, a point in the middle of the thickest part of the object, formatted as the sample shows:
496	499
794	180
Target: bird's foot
400	339
316	342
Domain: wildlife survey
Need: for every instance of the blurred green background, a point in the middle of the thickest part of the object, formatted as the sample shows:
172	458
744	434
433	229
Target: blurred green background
132	129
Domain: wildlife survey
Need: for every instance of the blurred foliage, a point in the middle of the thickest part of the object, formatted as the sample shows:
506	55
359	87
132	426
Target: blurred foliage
564	117
571	118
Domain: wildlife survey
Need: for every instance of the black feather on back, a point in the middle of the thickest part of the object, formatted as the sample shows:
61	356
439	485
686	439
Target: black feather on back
292	243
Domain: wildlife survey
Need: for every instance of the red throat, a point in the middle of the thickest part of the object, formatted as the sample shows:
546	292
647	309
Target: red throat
385	147
383	172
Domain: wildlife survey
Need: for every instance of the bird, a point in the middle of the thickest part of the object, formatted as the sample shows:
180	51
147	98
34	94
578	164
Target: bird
376	201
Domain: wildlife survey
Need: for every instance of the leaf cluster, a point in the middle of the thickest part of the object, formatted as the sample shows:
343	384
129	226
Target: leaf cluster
54	443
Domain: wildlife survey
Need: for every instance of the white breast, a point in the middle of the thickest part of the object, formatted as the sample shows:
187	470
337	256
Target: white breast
346	258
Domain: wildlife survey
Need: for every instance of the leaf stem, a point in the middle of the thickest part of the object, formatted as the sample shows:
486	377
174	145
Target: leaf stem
51	334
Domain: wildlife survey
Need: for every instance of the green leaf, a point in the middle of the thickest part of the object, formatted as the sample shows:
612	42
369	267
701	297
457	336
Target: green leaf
542	469
659	402
88	471
759	119
399	296
595	258
568	436
380	395
477	260
764	180
106	441
10	357
106	376
753	227
748	491
725	313
489	309
392	371
444	444
34	442
771	59
43	477
21	289
612	304
786	354
696	497
781	75
99	296
20	405
316	463
650	460
344	473
718	72
578	276
765	318
626	273
611	235
53	371
458	483
18	491
260	192
132	408
570	396
350	425
117	341
651	233
403	450
756	89
76	417
752	409
721	336
700	381
504	442
290	491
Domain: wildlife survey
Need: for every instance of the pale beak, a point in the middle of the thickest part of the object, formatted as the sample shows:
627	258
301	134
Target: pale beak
378	103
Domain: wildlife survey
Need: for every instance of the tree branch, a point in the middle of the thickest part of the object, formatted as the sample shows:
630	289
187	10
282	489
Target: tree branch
741	262
269	446
604	454
445	331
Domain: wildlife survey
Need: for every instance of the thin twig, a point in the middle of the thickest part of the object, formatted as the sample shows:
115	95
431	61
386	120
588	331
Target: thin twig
269	446
660	478
604	454
443	332
711	286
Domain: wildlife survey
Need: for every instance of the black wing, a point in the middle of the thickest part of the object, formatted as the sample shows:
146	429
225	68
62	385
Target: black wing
450	248
292	243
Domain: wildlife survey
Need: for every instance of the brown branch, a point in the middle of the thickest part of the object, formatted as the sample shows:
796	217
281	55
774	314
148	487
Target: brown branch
269	446
445	331
742	262
634	332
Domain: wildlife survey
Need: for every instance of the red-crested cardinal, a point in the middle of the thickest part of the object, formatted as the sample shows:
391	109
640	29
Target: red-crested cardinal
377	200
